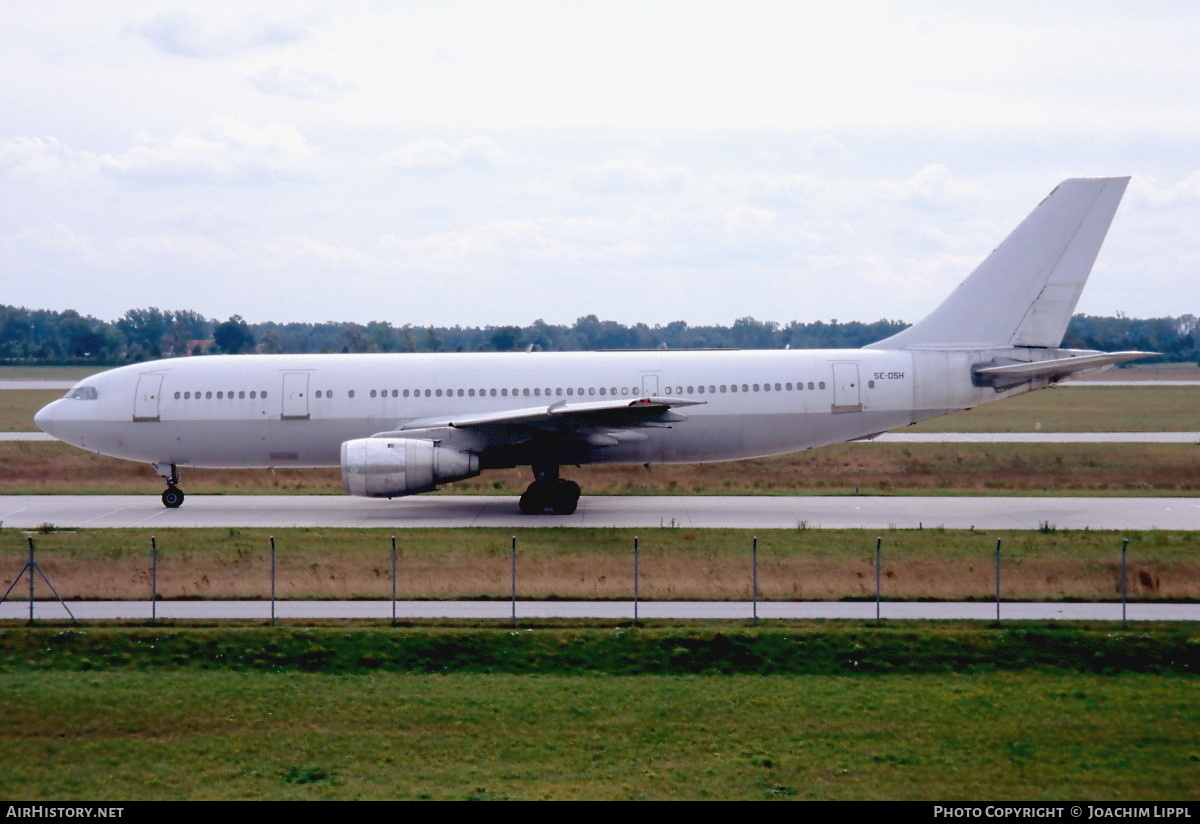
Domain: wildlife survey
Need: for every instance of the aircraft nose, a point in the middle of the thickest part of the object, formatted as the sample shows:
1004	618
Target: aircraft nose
45	418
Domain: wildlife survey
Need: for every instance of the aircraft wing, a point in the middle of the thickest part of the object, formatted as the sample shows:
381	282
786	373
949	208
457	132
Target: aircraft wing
598	421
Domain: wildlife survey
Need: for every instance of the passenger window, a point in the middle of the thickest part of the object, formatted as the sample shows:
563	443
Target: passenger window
437	393
701	390
492	392
591	390
253	394
870	384
789	386
712	388
372	393
263	394
187	396
691	391
504	393
603	391
766	387
208	395
460	393
349	394
821	385
176	396
776	387
558	391
471	393
810	385
241	394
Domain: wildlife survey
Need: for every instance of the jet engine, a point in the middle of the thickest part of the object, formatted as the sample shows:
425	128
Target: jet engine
391	467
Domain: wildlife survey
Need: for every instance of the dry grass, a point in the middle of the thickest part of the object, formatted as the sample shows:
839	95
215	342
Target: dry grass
17	407
674	564
875	468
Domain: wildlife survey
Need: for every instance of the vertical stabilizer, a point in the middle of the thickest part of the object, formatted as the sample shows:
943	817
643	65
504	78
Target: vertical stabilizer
1025	292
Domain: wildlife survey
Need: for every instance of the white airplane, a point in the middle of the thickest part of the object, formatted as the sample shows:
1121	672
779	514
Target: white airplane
399	424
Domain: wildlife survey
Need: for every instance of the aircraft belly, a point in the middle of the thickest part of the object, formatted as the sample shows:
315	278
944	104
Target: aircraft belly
733	437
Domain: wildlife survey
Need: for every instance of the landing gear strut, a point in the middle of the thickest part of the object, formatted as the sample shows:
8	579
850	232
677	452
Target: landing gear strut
173	497
549	494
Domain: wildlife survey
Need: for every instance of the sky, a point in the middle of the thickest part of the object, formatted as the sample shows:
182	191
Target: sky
492	163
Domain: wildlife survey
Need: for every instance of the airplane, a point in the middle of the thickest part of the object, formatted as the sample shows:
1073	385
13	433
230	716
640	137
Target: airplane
401	424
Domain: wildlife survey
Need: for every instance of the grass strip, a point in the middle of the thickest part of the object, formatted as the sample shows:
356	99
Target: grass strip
812	650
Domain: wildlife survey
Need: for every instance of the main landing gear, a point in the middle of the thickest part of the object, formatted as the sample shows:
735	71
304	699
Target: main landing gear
173	497
549	494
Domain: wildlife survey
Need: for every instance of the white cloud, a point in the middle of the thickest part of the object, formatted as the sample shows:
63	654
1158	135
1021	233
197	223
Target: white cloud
53	239
933	187
187	34
163	253
1180	193
784	191
301	84
429	155
44	158
221	149
287	253
632	176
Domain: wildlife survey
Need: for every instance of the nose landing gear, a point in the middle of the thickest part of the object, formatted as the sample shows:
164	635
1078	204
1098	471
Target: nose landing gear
173	497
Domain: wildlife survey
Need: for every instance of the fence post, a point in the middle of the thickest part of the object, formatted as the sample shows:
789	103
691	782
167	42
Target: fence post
153	580
635	579
32	567
393	580
513	573
754	576
272	580
878	586
997	580
1124	591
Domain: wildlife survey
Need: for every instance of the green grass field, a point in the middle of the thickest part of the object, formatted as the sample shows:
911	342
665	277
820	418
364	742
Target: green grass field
122	735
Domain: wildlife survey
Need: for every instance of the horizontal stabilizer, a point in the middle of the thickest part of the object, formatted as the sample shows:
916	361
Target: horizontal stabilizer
1014	373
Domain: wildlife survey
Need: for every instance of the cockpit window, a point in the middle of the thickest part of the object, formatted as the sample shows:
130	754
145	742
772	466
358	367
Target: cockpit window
83	393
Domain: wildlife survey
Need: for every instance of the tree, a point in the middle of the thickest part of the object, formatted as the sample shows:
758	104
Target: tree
233	336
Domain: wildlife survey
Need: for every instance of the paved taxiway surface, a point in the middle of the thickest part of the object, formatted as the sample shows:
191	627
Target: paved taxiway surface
612	610
739	512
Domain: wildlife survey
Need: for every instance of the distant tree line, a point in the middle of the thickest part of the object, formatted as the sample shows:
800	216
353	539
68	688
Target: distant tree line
41	336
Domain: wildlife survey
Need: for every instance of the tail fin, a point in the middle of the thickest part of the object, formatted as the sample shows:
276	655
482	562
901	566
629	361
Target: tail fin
1025	292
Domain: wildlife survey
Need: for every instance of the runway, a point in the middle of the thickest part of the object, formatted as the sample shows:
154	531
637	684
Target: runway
738	512
606	610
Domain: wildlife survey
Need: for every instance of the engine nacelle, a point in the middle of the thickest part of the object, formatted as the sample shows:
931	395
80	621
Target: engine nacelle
391	467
